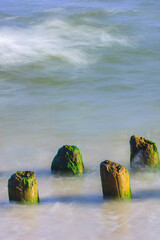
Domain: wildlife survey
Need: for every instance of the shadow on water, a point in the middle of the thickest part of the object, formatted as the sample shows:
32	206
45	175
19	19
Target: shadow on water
147	194
4	204
39	172
86	199
98	199
83	200
6	174
46	172
43	173
90	198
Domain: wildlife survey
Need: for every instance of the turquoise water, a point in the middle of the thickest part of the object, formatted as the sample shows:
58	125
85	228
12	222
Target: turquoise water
84	73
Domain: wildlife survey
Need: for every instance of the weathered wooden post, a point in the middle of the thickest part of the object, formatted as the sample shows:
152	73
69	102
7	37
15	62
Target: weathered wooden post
143	153
68	160
115	180
22	187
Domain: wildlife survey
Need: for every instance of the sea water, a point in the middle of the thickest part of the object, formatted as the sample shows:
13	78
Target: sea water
84	73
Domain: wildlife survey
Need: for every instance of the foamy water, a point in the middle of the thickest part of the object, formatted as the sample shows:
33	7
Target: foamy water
54	38
84	73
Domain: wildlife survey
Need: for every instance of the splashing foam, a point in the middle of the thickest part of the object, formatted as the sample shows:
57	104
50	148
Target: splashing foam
53	39
137	161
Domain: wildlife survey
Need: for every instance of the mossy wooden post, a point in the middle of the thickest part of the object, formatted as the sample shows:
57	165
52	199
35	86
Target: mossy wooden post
115	180
68	160
143	153
22	187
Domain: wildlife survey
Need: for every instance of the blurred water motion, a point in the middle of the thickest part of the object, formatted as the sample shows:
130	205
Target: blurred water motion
84	73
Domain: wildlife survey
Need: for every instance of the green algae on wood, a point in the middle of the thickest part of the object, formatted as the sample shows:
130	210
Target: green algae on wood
68	160
115	180
143	153
22	187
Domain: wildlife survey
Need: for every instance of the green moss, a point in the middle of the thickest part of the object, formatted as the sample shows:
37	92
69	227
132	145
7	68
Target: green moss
26	178
68	159
22	186
145	151
152	160
115	180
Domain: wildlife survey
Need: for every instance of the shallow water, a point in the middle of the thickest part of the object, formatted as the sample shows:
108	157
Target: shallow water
84	73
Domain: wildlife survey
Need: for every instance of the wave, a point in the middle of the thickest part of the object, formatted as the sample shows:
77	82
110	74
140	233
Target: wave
55	40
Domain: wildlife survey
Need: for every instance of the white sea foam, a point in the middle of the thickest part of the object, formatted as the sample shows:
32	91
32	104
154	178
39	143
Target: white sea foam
54	39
